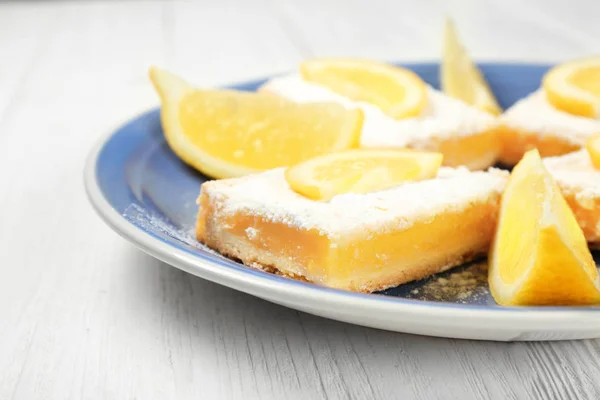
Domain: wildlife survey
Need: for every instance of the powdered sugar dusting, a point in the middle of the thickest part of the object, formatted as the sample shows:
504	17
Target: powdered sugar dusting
269	195
154	222
576	174
444	117
534	114
251	233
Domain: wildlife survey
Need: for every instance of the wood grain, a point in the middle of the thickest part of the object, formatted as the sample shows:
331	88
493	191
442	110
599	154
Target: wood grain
84	315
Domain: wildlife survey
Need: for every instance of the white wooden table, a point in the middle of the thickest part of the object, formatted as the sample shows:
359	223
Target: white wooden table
84	315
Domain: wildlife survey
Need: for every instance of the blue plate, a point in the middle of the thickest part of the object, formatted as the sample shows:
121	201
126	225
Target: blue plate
144	192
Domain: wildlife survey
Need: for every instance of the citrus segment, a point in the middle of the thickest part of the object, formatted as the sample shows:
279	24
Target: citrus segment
225	133
593	148
539	255
400	93
574	87
460	77
360	171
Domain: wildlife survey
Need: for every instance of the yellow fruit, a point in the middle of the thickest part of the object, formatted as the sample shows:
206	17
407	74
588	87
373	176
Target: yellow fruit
460	77
400	93
539	255
224	133
360	171
593	148
574	87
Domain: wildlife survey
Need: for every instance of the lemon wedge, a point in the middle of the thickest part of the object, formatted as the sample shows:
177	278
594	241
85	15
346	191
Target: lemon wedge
225	133
574	87
360	171
460	77
399	92
539	255
593	148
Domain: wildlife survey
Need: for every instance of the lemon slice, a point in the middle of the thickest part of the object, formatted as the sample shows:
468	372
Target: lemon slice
400	93
574	87
227	133
593	148
360	171
460	77
539	255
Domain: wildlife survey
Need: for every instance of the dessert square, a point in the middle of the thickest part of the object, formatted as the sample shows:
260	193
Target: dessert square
465	135
579	182
534	123
359	242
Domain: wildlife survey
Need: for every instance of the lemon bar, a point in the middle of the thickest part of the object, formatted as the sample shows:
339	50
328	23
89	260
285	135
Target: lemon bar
359	242
533	122
465	135
579	182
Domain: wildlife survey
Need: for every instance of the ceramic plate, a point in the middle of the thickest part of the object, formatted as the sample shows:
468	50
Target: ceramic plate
146	194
